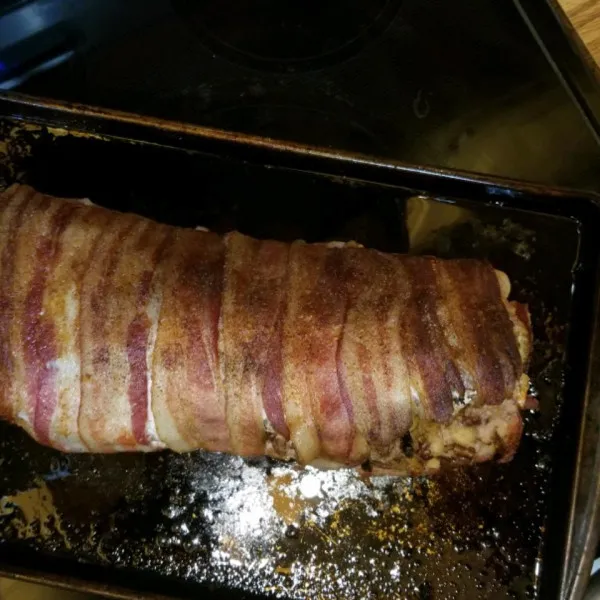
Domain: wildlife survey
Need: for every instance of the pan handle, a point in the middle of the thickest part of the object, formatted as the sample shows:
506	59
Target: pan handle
584	532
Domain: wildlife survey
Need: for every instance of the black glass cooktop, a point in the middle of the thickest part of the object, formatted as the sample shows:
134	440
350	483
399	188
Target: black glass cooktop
457	84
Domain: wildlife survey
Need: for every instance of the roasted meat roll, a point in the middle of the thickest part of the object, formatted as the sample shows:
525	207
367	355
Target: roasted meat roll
121	334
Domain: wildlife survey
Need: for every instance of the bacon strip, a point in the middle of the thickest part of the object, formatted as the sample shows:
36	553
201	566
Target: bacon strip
252	317
33	335
188	400
16	200
120	334
492	365
120	305
374	368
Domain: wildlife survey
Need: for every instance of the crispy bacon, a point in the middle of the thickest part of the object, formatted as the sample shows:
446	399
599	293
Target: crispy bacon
250	349
188	402
120	334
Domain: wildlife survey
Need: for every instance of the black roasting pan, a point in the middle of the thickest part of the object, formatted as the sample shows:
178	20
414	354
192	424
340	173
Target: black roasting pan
213	526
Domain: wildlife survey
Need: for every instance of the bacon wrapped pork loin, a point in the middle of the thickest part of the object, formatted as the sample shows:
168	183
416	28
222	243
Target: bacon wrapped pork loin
121	334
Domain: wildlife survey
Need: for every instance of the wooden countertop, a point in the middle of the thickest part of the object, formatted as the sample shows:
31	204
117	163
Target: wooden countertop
585	17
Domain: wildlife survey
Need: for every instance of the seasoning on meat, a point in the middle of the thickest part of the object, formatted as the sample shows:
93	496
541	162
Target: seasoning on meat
120	334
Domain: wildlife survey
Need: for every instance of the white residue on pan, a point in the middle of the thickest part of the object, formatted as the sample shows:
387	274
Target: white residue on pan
250	511
257	505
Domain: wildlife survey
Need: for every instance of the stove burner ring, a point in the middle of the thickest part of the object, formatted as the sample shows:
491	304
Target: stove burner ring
287	36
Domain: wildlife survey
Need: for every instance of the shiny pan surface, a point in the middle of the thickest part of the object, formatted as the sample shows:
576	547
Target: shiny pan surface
182	525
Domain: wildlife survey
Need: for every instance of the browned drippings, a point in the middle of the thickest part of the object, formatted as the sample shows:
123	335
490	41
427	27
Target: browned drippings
32	514
267	527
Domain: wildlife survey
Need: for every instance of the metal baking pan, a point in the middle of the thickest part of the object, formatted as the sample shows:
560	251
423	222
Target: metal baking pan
202	525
